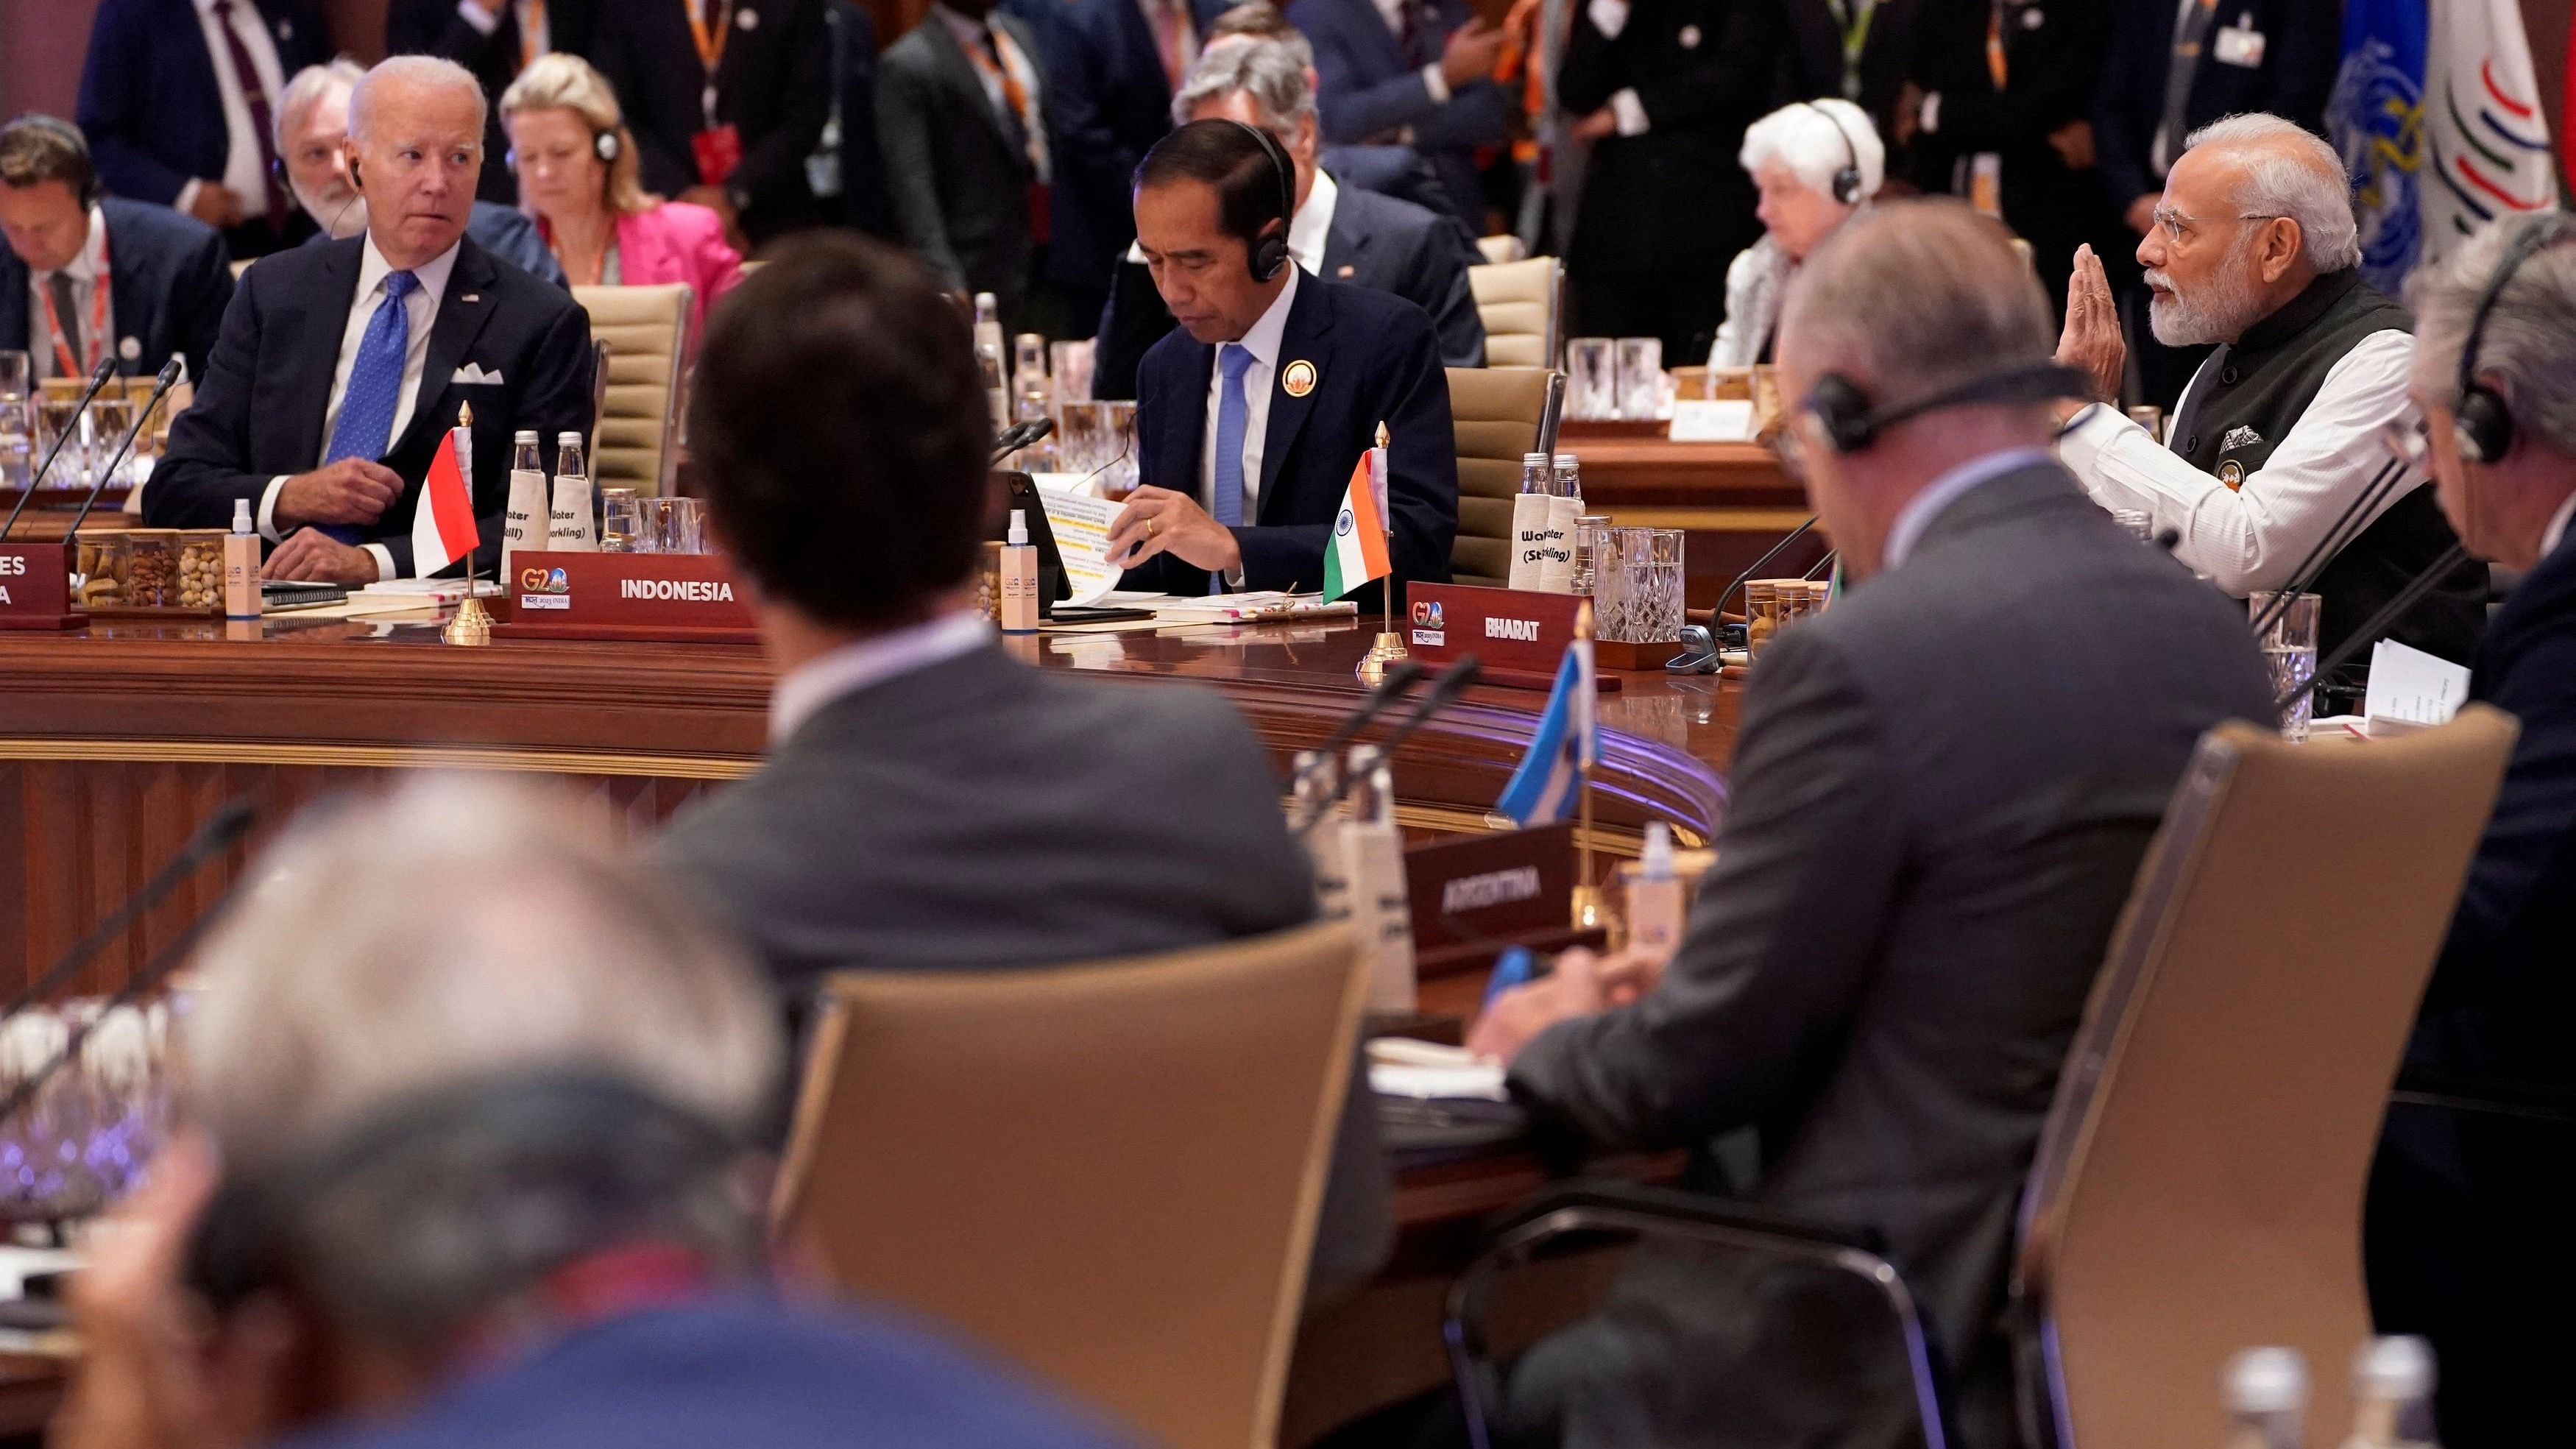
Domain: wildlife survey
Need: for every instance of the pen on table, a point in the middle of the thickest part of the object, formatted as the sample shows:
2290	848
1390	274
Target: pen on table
1511	969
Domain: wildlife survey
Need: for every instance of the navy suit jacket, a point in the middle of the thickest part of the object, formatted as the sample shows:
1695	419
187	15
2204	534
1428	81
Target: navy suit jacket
2301	51
1367	91
506	232
168	283
729	1370
258	413
1107	103
149	101
1376	360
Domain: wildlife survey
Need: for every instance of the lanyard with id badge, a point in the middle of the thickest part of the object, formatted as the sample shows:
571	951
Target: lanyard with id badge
717	149
2238	45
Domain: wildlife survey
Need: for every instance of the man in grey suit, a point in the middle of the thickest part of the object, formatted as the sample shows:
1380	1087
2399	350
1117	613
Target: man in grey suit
930	802
1943	787
961	118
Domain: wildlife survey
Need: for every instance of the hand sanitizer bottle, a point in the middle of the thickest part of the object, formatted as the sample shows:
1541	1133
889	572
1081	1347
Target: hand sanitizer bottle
241	565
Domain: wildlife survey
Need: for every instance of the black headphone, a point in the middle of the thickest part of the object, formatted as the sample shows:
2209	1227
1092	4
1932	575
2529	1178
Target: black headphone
90	190
1270	253
2483	423
1847	180
1850	423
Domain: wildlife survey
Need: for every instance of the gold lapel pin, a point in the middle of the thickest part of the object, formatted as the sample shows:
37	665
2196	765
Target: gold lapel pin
1299	379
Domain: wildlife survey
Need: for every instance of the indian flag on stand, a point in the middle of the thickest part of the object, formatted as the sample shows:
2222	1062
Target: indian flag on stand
442	521
1357	553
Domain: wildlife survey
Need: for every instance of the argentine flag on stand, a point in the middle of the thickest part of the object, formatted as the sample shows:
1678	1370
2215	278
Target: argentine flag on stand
1550	780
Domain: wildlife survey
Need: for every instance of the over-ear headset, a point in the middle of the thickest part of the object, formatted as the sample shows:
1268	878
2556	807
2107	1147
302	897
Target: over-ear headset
1269	252
603	144
2484	425
1851	424
1846	181
89	190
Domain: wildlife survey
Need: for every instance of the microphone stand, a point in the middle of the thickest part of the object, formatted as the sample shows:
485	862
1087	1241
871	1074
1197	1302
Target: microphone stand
161	388
1717	614
2407	598
98	379
1022	435
2333	543
1451	684
1399	678
226	826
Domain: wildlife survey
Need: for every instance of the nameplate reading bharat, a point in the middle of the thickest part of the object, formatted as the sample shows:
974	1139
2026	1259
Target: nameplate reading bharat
681	597
1520	635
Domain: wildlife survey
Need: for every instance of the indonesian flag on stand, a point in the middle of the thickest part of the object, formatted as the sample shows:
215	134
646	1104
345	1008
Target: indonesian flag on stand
442	523
1358	553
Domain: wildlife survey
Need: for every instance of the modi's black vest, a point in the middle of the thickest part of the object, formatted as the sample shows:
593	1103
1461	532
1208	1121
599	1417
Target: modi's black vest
2247	398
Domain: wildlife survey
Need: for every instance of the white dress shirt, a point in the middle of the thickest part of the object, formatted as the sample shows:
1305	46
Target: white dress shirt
1941	492
2557	529
244	175
1312	227
2248	539
84	271
1610	17
869	662
1434	80
1263	343
422	307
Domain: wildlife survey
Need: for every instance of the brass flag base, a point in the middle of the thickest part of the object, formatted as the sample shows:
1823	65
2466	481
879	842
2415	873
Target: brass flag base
472	624
1388	649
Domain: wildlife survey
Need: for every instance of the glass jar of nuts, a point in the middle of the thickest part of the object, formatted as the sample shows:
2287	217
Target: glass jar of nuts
201	572
100	562
153	570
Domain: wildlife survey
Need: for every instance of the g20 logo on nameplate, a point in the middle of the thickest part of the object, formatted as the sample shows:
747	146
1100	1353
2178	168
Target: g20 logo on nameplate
1430	624
544	588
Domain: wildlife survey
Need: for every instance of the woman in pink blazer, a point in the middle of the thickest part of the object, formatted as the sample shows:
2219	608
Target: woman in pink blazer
577	170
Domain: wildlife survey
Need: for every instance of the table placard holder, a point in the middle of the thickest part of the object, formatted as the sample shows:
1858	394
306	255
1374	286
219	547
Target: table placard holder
1519	636
678	598
36	587
1471	897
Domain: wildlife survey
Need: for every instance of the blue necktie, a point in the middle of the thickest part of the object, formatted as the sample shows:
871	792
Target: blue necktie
1225	489
366	426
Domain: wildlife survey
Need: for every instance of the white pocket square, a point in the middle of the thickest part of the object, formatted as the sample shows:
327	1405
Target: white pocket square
473	375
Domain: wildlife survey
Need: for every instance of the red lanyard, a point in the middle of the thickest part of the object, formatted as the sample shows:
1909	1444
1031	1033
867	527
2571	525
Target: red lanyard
63	359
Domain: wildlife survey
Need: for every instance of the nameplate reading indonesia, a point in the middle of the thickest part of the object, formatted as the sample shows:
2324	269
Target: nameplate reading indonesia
680	597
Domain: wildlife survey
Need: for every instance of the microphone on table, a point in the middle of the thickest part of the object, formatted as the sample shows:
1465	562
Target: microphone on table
1741	579
1399	677
2389	613
1822	564
97	379
1444	691
1021	435
161	386
217	835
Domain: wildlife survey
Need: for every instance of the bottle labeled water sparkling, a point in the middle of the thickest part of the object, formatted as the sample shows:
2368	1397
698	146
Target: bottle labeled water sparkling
991	360
571	520
1530	513
1564	508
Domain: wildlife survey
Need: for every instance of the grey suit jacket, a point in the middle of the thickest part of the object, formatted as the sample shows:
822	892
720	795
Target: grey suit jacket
978	814
1943	788
958	184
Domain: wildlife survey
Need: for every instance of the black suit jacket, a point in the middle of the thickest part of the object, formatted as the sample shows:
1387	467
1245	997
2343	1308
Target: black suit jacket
1375	360
439	27
168	283
1941	792
2302	47
258	413
1107	103
1674	196
958	182
774	86
1376	242
1812	66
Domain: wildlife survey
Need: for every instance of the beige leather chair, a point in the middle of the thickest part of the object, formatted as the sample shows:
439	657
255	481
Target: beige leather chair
241	267
646	330
1109	1173
1523	306
1502	248
2198	1189
1501	413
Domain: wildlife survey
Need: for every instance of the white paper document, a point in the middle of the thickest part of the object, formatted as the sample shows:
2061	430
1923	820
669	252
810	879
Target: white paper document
1081	527
1400	1067
2409	687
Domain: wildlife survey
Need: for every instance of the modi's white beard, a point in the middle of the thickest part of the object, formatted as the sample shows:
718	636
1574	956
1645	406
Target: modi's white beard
341	213
2217	313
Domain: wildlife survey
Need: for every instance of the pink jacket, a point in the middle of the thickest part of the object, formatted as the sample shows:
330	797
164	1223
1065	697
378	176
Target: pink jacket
678	242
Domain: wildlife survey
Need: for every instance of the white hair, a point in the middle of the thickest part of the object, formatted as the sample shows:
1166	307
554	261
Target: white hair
1815	140
426	71
2293	172
454	929
306	91
2529	341
1271	73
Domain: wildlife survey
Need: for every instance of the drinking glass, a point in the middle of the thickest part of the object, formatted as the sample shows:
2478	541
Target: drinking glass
1591	378
2136	520
2289	645
1082	436
673	525
1640	376
1072	370
1637	586
17	418
1588	530
1118	473
59	419
621	522
110	418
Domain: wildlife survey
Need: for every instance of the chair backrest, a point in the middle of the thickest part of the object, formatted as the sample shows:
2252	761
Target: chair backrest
2198	1187
1523	307
1502	247
1109	1173
241	267
646	330
1500	413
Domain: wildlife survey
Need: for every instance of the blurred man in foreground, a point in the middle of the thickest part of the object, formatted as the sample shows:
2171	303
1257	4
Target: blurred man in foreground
474	1094
1942	789
2464	1204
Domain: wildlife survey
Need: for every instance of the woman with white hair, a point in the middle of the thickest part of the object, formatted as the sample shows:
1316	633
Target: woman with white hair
1816	163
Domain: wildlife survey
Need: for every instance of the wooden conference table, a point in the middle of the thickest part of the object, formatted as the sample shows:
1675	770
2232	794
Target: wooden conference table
117	739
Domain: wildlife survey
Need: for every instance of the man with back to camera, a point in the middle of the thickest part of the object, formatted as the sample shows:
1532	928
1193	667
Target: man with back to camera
2282	428
2459	1200
1252	416
312	144
1942	790
930	802
88	275
340	366
1338	231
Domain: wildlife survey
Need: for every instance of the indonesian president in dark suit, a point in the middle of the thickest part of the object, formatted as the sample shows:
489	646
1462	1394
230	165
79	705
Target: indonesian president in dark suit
341	366
1251	416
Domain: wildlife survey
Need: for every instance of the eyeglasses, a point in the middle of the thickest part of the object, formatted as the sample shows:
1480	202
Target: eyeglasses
1788	447
2171	223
